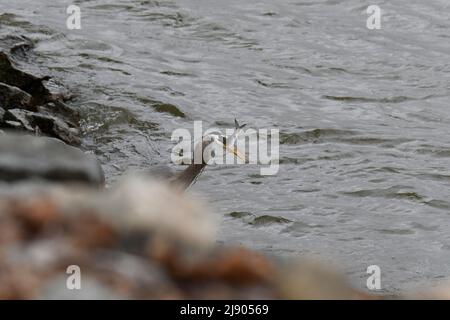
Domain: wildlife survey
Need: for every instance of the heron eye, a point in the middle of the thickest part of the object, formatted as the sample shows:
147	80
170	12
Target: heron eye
213	154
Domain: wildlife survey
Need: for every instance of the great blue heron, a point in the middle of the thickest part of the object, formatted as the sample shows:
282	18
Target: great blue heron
188	176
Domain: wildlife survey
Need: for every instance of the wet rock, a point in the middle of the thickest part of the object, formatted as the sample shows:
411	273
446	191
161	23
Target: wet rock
35	104
44	124
26	157
17	118
12	125
55	127
13	97
53	119
67	113
31	84
58	92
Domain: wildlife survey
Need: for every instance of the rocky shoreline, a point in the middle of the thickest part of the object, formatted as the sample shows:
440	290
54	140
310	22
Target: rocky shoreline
28	103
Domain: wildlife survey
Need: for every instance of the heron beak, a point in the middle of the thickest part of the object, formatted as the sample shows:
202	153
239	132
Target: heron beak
235	152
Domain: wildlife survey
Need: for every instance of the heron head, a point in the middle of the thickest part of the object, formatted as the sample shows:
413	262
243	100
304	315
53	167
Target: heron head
213	145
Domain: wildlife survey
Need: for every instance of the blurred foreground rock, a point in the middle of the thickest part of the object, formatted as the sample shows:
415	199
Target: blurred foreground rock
137	240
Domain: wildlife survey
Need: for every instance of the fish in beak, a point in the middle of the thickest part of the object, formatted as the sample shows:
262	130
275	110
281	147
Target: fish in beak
236	152
230	141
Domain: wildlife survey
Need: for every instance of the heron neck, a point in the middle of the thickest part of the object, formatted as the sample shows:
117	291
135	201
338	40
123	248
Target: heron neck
188	175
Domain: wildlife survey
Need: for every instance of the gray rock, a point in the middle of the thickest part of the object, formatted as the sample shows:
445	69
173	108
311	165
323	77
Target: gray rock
42	123
13	97
19	116
67	113
29	83
9	124
25	157
53	126
28	104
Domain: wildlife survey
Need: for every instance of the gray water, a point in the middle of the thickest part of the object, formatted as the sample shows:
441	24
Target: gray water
364	115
